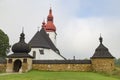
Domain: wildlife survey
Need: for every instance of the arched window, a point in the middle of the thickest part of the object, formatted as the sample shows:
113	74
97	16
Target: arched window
34	54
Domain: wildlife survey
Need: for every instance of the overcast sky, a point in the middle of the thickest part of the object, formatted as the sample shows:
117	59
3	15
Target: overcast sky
78	22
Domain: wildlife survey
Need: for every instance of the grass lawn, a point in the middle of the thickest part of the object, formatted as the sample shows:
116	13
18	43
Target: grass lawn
41	75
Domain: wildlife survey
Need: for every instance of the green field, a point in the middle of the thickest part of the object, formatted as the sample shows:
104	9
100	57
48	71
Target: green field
41	75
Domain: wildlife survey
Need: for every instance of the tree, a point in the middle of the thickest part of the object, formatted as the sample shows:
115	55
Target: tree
117	62
4	43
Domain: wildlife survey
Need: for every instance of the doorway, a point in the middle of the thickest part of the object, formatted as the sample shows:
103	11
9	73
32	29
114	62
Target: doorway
17	65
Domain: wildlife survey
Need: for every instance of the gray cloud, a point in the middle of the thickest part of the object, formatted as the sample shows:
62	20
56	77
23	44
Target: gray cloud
76	36
81	37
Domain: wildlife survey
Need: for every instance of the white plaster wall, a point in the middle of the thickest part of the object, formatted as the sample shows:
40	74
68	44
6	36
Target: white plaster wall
48	54
52	36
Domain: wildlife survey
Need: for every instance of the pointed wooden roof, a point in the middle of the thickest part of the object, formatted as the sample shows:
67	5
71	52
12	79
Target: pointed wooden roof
50	27
102	51
42	40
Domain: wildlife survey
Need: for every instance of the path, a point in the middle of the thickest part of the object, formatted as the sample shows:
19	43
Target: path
2	74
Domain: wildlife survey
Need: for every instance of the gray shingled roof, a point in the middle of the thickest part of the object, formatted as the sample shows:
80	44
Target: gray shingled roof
42	40
101	51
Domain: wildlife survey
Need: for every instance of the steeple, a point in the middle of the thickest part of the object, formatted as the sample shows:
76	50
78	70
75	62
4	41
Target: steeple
50	27
102	51
21	46
50	16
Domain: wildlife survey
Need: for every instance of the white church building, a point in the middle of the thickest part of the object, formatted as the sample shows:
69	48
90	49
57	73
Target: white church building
43	43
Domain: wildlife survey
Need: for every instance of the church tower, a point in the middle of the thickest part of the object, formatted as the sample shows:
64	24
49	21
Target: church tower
50	27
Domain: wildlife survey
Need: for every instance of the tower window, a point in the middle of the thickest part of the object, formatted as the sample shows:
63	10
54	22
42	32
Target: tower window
34	54
24	60
41	52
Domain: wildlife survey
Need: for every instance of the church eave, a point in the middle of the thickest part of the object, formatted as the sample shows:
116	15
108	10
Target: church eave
19	55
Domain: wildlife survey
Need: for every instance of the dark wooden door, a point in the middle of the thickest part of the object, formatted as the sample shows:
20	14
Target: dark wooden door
17	65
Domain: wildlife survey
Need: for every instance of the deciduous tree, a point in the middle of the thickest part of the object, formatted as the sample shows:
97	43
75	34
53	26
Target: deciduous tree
4	43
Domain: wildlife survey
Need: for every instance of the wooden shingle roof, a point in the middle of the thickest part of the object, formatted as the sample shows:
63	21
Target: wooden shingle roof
102	51
42	40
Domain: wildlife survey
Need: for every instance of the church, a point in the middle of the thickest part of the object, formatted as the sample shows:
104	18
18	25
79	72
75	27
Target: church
43	44
41	53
